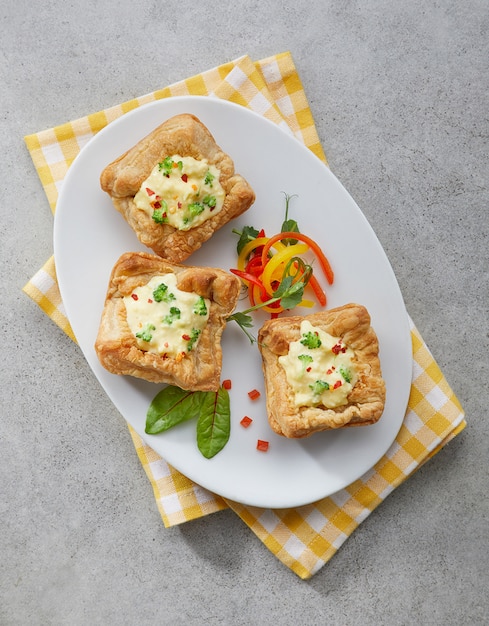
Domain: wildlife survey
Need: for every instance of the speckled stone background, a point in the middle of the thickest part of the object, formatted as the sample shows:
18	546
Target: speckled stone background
399	92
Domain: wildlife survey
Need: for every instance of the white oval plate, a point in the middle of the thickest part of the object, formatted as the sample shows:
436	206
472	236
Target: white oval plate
89	236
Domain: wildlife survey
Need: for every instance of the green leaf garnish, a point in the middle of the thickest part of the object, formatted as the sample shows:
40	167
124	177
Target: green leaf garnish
172	406
245	236
214	423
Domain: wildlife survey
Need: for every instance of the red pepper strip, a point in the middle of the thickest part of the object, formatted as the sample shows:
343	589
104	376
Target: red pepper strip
323	261
254	266
251	279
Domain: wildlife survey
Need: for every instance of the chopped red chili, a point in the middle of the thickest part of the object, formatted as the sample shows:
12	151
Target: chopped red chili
246	421
150	192
150	301
186	337
226	384
254	394
184	178
261	445
337	384
134	296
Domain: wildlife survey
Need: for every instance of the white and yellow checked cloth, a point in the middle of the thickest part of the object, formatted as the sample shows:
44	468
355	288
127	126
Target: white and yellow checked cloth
303	538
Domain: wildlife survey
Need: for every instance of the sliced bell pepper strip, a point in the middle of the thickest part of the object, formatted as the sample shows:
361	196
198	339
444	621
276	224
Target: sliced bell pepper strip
323	261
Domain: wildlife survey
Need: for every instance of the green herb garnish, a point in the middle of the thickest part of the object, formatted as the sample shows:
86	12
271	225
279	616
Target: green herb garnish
289	225
245	236
346	374
290	292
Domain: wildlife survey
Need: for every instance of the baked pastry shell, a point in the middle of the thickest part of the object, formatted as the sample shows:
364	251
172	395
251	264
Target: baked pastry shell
185	135
366	401
117	348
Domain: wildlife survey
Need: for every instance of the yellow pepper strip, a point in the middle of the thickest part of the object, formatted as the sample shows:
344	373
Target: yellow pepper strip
280	259
248	249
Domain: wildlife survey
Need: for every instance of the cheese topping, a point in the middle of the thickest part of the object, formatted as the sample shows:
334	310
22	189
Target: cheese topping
319	368
182	192
164	319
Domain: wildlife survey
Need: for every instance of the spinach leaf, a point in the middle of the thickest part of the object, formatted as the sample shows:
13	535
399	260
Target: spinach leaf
214	423
171	406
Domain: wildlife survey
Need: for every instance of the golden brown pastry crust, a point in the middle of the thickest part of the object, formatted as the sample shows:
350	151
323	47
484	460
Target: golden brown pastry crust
184	135
366	400
116	346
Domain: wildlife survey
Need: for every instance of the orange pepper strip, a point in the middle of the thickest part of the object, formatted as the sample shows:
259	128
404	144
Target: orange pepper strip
318	291
323	261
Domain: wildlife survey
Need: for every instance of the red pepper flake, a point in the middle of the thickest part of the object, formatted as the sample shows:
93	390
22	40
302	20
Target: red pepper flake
186	337
150	301
246	421
336	349
150	192
337	384
134	296
184	178
308	369
179	205
156	205
226	384
254	394
261	445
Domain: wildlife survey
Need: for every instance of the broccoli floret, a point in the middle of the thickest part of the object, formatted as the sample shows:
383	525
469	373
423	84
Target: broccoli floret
200	307
210	201
161	294
305	360
145	334
209	178
172	316
319	386
311	340
166	166
346	373
193	338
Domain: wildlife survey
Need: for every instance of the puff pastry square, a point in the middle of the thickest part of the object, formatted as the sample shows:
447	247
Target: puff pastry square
365	402
184	135
117	347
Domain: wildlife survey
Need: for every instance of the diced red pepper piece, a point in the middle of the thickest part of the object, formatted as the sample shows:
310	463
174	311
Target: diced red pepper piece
254	394
261	445
226	384
184	178
134	296
246	421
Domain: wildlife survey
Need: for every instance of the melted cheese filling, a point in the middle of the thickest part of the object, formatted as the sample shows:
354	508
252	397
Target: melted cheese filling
182	192
164	319
319	368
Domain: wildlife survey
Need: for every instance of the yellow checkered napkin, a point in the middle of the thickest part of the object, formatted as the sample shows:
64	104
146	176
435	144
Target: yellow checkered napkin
303	538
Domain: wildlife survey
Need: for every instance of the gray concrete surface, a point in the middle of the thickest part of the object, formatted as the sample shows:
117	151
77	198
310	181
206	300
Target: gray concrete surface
399	92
